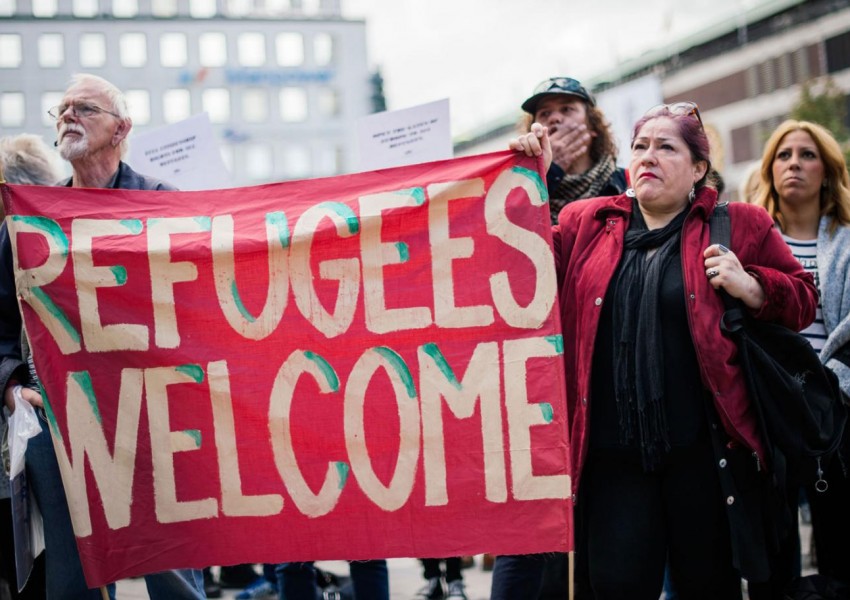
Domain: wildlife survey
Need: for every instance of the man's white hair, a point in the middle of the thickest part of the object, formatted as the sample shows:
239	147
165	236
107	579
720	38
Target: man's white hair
117	100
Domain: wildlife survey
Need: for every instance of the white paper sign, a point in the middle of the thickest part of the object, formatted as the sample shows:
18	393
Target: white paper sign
405	137
624	105
184	154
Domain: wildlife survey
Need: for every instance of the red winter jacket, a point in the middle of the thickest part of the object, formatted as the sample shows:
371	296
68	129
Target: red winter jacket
588	245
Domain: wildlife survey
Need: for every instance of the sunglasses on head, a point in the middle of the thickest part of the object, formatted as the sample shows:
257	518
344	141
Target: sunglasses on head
679	109
560	84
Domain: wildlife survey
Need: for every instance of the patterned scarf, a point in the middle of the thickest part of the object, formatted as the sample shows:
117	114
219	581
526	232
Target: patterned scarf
584	185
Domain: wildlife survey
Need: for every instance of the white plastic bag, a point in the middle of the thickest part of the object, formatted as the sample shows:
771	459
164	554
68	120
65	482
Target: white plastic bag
23	425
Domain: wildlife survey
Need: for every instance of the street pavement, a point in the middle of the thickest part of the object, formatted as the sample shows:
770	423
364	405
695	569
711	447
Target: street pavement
405	580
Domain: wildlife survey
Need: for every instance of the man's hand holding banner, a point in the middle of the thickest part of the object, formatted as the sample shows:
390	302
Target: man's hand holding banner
357	367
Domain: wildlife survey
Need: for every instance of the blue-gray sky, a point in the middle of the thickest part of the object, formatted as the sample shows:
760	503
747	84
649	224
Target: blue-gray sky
487	55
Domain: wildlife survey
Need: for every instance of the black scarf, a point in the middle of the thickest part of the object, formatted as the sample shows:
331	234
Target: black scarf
638	353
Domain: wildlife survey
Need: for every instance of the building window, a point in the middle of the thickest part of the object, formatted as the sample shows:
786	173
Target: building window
202	9
84	8
125	9
176	105
92	50
767	80
163	8
800	65
12	109
139	105
216	102
213	49
276	7
255	105
51	50
172	49
252	49
7	8
310	7
133	49
328	102
239	8
48	101
44	8
783	71
293	104
258	161
289	48
751	77
323	49
837	52
296	162
742	144
10	50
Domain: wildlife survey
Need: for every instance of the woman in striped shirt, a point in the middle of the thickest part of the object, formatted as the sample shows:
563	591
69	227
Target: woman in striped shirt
805	187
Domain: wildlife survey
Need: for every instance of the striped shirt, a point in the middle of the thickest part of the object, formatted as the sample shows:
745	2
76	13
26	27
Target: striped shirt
806	251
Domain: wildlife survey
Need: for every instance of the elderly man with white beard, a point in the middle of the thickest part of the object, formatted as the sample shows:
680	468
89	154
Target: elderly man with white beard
92	125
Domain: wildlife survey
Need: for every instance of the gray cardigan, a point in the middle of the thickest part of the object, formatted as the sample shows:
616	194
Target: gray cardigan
834	272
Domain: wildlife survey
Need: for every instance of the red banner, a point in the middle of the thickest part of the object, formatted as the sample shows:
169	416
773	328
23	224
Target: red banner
357	367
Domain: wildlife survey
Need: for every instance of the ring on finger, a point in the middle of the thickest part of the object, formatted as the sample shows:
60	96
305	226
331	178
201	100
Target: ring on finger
712	273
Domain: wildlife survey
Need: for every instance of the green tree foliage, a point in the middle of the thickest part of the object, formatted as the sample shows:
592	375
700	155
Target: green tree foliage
827	107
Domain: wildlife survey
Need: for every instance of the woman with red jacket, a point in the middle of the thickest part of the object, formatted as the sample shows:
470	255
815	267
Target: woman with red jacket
666	454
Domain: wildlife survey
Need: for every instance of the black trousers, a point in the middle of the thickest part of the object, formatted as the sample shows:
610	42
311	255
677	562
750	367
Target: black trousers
629	522
35	588
432	568
830	523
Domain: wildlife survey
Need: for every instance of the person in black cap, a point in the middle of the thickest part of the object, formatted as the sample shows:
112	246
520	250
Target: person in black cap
583	148
583	166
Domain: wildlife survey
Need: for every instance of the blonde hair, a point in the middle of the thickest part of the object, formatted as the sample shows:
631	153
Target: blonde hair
28	160
834	195
748	190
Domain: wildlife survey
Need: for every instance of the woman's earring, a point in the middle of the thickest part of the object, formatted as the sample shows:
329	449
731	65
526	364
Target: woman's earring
692	194
630	193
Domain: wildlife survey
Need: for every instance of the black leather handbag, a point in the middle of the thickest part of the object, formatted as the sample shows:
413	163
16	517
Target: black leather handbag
797	399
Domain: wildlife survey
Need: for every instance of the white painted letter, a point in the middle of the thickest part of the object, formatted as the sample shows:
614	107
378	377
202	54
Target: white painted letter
233	502
166	443
29	282
99	337
344	270
164	273
376	253
481	380
280	429
445	249
113	473
522	416
224	272
533	246
396	494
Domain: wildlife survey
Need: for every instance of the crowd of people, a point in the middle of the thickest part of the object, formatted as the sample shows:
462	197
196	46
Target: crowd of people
665	474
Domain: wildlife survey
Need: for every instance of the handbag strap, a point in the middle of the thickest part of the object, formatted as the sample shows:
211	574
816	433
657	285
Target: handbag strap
720	232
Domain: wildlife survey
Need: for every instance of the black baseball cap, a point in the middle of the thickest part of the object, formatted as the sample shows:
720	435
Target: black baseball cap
557	85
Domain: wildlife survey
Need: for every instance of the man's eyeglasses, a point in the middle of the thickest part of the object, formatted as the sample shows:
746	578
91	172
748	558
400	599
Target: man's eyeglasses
81	109
679	109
